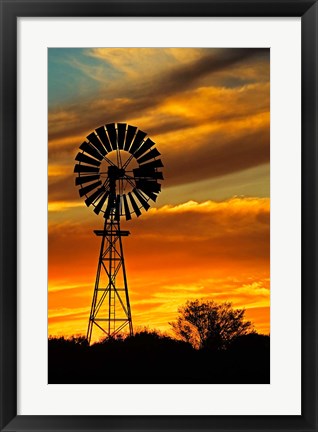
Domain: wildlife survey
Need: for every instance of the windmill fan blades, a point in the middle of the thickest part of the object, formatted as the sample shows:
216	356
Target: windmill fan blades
101	202
150	155
83	191
153	186
140	135
120	184
111	130
141	199
79	168
134	204
126	208
148	186
94	196
149	194
142	172
85	179
154	164
121	130
81	157
89	149
131	131
92	138
158	175
142	149
104	138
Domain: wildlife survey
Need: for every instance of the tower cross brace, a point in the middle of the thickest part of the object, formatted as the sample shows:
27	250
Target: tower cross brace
110	310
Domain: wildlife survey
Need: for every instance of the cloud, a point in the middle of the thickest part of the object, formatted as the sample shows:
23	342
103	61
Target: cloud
207	238
214	61
130	98
203	236
138	69
144	70
216	155
58	206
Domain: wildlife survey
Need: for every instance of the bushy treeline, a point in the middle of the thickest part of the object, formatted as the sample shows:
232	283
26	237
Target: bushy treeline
152	358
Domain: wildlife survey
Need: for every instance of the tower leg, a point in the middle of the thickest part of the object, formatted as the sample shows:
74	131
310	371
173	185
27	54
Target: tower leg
110	310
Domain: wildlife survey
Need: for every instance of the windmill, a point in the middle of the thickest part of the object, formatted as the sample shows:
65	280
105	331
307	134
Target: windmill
117	174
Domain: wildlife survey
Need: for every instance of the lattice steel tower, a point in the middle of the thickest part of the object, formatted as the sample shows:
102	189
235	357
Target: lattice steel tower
117	173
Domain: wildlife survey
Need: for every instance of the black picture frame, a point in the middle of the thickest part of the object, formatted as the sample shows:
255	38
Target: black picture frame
10	11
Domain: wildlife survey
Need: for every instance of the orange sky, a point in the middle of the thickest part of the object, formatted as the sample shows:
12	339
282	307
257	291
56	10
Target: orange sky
208	234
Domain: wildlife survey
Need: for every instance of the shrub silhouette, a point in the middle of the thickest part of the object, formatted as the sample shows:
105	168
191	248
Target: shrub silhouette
149	357
207	324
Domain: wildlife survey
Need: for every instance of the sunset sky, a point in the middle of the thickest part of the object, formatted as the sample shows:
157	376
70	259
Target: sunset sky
207	236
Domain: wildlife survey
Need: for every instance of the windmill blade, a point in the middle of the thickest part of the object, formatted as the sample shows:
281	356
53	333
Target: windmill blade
149	185
91	150
141	199
104	138
101	202
149	194
153	186
140	135
142	172
83	191
79	168
121	130
94	196
117	208
158	175
126	208
81	157
150	155
131	130
111	130
134	204
154	164
142	149
92	138
85	179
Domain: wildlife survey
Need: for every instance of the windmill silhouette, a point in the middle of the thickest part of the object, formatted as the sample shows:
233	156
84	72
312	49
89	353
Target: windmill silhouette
117	173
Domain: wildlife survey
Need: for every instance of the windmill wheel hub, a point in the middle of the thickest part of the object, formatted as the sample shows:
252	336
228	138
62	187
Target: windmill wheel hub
115	173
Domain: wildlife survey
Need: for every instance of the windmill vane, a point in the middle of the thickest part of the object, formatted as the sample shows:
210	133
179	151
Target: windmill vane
117	173
98	186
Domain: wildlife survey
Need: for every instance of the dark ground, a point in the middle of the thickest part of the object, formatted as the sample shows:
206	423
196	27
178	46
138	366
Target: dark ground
148	358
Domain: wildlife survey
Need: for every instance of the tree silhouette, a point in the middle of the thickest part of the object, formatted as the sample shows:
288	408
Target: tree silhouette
207	324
